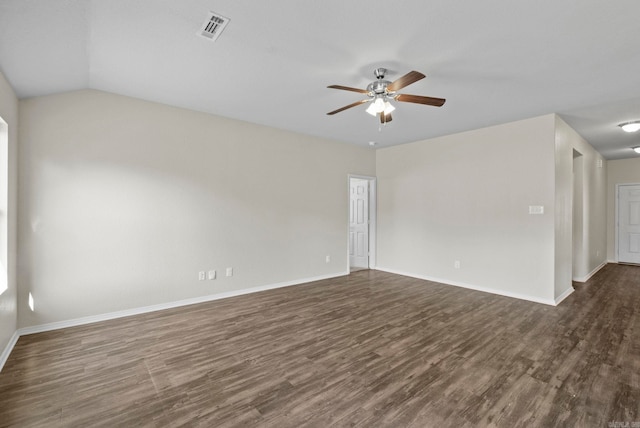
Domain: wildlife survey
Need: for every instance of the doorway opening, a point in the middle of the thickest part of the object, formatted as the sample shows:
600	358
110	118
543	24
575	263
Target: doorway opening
362	222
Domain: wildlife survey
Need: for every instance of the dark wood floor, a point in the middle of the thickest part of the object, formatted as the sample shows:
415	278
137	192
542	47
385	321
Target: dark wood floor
368	350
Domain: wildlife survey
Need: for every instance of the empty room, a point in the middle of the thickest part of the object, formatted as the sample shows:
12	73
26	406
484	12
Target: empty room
293	213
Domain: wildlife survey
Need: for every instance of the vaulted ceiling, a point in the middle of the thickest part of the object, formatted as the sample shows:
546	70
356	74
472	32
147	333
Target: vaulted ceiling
495	61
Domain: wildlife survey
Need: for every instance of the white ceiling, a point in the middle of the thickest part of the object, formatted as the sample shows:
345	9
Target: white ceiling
494	61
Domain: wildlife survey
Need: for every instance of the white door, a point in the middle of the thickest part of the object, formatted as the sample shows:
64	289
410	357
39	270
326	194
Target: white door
629	223
359	223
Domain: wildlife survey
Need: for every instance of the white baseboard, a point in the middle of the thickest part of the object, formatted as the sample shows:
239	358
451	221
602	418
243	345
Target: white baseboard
590	274
169	305
7	350
473	287
564	295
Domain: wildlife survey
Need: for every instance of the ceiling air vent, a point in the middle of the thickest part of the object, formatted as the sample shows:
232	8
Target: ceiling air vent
213	26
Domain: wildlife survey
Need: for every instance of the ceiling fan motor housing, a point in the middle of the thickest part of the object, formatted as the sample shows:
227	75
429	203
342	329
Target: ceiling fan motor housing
378	87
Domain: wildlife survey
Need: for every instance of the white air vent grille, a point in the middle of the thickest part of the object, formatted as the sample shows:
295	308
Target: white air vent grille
213	26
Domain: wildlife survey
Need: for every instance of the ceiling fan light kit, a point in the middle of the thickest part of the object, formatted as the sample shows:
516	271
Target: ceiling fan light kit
630	126
381	91
380	105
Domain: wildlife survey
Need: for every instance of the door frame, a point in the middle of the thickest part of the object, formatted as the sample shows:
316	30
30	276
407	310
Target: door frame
372	217
578	213
617	217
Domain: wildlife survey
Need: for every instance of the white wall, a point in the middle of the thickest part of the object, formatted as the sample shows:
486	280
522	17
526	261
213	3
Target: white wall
123	202
618	172
592	222
8	309
466	197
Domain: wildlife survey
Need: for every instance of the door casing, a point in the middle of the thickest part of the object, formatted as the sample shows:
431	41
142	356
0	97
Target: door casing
617	218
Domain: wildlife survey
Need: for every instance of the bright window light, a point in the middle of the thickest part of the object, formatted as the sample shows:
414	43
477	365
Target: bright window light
31	304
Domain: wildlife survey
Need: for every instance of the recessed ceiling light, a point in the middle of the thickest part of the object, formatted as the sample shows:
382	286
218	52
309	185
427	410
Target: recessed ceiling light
636	149
372	143
630	126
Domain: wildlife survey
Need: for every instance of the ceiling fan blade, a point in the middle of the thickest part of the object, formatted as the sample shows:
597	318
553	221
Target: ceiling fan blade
418	99
384	118
357	103
347	88
406	80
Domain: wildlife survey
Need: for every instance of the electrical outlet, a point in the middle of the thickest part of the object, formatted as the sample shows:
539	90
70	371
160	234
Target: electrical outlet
201	275
212	274
456	264
229	271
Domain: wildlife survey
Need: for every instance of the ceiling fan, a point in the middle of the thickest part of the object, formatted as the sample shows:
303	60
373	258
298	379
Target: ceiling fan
380	91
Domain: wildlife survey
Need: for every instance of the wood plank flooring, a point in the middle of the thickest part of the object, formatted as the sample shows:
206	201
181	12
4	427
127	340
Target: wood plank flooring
368	350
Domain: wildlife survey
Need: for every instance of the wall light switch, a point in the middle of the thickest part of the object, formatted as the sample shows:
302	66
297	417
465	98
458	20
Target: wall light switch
536	209
212	274
229	271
